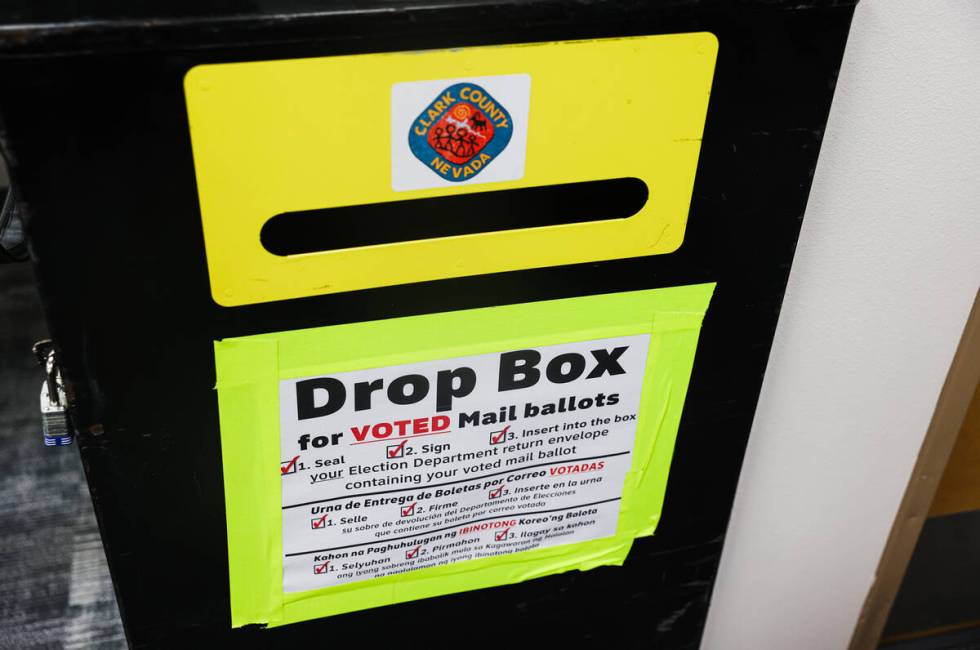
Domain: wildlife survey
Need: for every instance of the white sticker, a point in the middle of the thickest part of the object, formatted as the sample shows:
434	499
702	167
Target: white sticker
400	468
455	131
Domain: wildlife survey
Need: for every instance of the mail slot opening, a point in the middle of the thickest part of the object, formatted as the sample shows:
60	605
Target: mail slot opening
309	231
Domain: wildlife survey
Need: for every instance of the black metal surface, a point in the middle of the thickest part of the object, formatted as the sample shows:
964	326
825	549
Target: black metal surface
60	27
100	148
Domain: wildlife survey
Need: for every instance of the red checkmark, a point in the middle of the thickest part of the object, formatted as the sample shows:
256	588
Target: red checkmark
499	437
408	510
321	568
496	493
502	535
411	554
289	466
397	449
319	523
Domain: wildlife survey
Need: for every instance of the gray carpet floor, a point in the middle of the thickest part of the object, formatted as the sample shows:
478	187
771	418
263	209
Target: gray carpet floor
55	590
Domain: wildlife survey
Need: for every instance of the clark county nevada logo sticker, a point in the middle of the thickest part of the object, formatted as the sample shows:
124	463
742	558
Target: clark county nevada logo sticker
460	131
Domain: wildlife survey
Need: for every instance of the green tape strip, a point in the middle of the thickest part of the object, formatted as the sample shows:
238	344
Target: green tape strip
249	369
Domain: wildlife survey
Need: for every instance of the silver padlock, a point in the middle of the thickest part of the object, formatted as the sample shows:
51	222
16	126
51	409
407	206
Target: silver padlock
56	428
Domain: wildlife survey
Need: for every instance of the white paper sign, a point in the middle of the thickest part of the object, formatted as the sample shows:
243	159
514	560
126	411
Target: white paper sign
400	468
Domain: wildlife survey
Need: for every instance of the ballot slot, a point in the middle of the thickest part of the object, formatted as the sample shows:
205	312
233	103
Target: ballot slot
310	231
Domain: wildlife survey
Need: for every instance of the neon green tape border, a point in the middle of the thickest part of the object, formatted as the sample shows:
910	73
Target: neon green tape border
249	369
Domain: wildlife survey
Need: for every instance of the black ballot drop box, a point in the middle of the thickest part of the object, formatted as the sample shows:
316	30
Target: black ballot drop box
493	282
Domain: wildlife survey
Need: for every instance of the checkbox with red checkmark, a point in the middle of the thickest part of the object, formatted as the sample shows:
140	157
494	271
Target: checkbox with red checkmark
496	494
288	466
414	553
497	437
320	569
396	451
318	522
501	535
409	510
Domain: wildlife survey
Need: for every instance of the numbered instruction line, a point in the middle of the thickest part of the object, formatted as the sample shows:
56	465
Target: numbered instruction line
456	525
464	480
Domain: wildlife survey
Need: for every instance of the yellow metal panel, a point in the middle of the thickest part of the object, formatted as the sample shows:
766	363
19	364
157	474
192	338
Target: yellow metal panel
291	135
